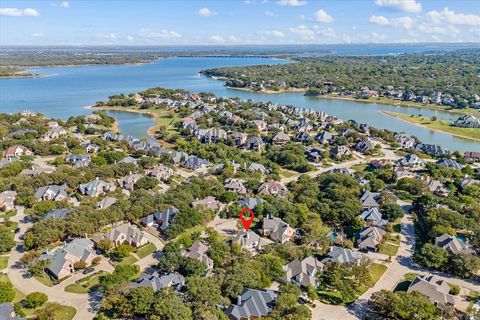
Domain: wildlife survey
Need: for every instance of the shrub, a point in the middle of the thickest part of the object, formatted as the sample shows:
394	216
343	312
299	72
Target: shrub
35	300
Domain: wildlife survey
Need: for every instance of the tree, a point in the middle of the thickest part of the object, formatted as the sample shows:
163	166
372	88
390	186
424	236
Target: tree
169	306
146	183
121	251
140	301
391	211
79	265
192	267
287	307
403	305
49	312
431	256
7	292
463	264
203	292
6	239
121	275
36	299
105	245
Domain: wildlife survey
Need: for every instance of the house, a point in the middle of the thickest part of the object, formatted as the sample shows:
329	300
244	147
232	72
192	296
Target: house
239	138
235	186
51	192
430	149
54	133
404	141
209	203
324	137
106	202
257	167
314	154
7	312
472	156
370	238
260	124
92	148
129	159
211	135
129	181
449	163
7	161
372	216
63	259
467	121
126	233
61	213
436	290
78	160
158	281
160	219
252	304
303	272
250	202
437	187
17	152
302	137
340	151
401	172
254	143
161	173
345	171
411	161
7	200
380	163
250	241
194	163
342	255
370	199
35	170
280	138
364	146
452	244
198	251
273	188
96	187
277	229
467	181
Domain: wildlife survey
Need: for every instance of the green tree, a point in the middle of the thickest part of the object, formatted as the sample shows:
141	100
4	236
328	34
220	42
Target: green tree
36	299
391	211
7	292
431	256
464	265
169	306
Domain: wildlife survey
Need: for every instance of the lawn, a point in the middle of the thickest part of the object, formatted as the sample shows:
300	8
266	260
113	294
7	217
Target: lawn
146	250
359	167
165	118
8	214
3	262
84	285
287	173
45	279
19	295
388	249
61	312
376	270
405	282
131	259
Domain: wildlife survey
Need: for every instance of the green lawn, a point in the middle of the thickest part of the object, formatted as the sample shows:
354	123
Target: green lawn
146	250
359	167
45	279
388	249
287	173
3	262
328	297
8	214
131	259
376	270
85	284
61	312
393	237
405	282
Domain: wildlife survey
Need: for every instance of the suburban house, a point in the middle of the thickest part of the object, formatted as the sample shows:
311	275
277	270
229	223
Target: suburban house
129	159
449	163
7	312
235	186
251	241
209	203
324	137
252	304
51	192
17	152
452	244
160	219
239	138
302	137
467	181
78	160
96	187
373	217
92	148
345	171
125	233
436	187
280	138
403	172
314	154
7	200
364	146
370	237
161	173
62	259
256	167
194	163
129	181
198	251
273	188
467	121
430	149
472	156
304	272
106	202
342	255
54	133
250	202
277	229
254	143
61	213
411	161
436	290
370	199
158	281
340	151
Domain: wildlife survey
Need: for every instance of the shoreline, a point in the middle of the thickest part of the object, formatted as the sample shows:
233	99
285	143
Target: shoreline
458	135
150	131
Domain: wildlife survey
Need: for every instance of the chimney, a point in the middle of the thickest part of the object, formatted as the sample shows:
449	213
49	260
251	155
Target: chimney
239	300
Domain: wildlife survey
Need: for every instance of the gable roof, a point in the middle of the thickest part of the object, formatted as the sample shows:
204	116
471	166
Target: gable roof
435	289
342	255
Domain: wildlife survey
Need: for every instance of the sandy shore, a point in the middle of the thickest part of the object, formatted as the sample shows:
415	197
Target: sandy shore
268	91
392	114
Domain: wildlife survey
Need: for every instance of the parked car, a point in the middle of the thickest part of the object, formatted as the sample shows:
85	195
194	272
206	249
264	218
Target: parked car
17	230
89	270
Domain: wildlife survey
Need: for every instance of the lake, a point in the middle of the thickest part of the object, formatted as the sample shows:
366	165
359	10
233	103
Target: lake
65	91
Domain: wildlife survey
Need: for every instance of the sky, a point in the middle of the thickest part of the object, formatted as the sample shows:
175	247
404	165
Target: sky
235	22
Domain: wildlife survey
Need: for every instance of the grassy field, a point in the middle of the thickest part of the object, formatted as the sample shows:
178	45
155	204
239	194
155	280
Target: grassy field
84	285
61	312
376	270
439	125
131	259
146	250
388	249
3	262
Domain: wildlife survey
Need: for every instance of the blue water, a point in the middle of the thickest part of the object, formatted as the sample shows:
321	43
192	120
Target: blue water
64	92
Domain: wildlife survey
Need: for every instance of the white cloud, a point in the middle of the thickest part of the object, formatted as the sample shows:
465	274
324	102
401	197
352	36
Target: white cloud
322	16
403	5
205	12
380	20
234	39
303	31
377	37
162	34
346	38
15	12
272	33
269	13
217	38
449	16
110	36
36	34
403	22
63	4
130	38
292	3
328	32
446	29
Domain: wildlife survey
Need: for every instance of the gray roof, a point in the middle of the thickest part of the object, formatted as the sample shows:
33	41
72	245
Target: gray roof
55	190
80	248
451	244
250	202
6	312
198	251
250	240
157	281
279	230
129	232
95	186
369	199
163	218
303	272
435	289
252	303
58	213
342	255
449	163
371	214
106	202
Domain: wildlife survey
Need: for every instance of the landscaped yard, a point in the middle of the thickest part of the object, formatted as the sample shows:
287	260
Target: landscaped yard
19	295
376	270
131	259
45	279
146	250
61	312
85	284
388	249
405	282
3	262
